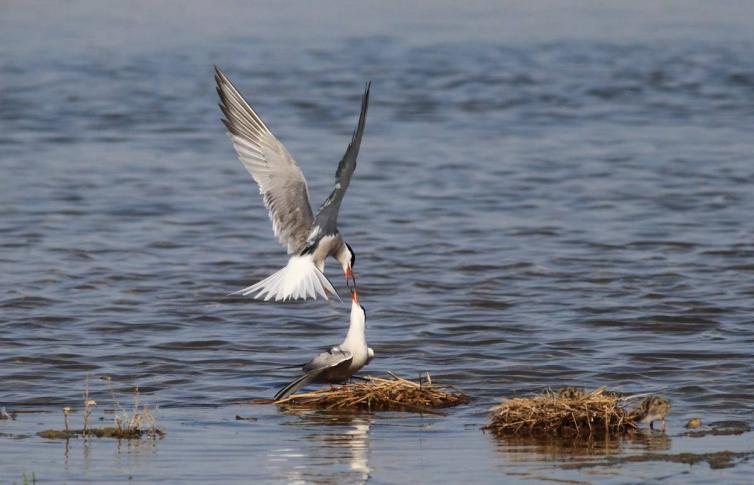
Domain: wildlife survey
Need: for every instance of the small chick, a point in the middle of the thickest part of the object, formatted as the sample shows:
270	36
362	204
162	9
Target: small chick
651	409
571	392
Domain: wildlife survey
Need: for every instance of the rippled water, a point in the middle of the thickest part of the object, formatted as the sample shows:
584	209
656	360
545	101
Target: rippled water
543	197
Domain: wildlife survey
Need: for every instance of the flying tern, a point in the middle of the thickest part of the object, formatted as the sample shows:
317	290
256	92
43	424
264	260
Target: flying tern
340	362
309	239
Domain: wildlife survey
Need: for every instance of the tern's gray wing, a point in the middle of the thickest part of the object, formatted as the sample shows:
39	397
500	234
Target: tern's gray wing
315	368
327	217
329	359
281	182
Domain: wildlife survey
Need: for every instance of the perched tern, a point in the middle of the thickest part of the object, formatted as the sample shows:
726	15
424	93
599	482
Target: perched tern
340	362
310	239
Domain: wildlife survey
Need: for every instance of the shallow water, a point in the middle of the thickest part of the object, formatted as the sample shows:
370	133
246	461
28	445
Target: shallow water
545	196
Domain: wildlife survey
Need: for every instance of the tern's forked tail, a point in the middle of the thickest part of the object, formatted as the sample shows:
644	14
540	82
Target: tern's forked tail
300	279
295	385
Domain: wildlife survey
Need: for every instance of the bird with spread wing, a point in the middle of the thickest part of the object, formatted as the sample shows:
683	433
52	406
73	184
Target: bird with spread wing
309	239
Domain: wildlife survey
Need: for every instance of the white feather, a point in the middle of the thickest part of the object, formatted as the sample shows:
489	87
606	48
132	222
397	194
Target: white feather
300	278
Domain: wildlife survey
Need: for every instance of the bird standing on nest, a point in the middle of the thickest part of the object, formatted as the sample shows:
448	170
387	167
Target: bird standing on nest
340	362
651	409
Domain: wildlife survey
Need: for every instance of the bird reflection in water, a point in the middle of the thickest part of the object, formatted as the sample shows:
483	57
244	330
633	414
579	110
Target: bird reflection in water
334	448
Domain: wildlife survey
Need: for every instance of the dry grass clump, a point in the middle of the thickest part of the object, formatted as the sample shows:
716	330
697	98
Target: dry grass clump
135	423
380	394
565	414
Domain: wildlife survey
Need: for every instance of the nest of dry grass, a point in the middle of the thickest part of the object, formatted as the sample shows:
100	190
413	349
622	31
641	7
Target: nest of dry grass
382	394
566	414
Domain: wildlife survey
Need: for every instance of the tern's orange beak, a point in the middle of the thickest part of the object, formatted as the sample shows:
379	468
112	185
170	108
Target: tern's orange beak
349	275
354	296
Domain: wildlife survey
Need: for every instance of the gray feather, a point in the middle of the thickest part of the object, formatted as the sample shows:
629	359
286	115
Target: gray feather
281	182
327	217
295	385
328	359
315	368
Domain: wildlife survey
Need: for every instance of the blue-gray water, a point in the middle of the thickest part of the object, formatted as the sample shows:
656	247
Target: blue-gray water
546	195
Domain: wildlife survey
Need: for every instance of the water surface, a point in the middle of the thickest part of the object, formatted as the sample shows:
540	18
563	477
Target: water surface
545	196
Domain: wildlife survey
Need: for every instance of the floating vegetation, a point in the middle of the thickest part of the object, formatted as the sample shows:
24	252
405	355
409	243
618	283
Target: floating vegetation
245	418
380	394
106	432
138	422
570	412
717	428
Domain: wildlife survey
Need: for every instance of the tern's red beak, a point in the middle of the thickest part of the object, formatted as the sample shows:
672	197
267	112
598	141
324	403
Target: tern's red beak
354	296
349	275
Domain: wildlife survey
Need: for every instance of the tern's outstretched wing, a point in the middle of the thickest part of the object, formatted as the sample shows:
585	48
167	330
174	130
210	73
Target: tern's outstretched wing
327	217
281	182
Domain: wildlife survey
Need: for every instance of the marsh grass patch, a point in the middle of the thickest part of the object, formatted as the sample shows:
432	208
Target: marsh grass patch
136	422
379	394
565	414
